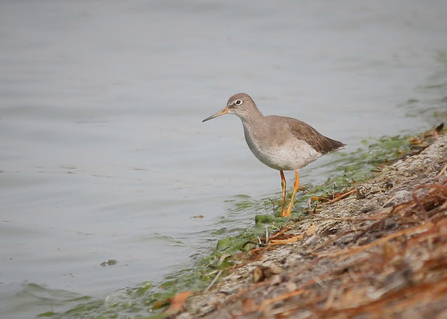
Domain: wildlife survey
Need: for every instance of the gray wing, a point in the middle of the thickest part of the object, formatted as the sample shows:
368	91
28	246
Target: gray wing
311	136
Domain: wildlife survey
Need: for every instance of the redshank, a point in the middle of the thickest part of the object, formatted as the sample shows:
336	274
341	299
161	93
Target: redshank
282	143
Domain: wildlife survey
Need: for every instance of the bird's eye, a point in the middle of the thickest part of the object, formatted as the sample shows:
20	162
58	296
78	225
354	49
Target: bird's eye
238	102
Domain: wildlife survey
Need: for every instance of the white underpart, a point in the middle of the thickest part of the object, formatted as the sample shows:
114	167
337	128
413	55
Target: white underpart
292	155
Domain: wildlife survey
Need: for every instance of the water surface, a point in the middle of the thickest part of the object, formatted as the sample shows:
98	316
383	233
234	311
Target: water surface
103	154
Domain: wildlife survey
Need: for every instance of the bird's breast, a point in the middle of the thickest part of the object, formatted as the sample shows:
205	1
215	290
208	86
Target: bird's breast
280	152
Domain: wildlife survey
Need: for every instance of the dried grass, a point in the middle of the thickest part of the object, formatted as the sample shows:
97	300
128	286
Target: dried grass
365	257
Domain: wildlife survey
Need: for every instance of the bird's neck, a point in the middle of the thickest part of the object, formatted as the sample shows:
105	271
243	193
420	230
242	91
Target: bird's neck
251	117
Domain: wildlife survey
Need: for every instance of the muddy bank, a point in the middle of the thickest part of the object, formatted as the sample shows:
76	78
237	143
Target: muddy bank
380	251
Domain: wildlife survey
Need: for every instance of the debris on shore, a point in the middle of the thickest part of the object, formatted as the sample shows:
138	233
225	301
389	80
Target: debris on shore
378	250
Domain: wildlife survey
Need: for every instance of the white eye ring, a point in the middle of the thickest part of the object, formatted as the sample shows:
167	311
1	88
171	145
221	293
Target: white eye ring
238	102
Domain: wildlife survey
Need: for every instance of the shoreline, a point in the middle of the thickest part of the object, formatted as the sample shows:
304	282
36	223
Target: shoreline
358	256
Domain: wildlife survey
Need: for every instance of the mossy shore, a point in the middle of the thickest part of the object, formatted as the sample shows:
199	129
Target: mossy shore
378	250
370	242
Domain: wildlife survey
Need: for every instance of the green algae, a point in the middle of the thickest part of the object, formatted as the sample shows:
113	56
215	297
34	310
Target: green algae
46	314
149	301
110	262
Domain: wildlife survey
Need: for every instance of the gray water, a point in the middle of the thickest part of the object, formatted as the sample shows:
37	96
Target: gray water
103	154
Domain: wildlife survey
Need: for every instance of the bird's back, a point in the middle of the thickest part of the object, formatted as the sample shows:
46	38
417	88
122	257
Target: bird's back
308	134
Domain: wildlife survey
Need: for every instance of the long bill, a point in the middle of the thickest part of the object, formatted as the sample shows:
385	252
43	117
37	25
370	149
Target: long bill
222	112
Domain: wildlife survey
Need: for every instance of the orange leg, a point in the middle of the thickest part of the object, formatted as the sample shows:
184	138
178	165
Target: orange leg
296	185
283	185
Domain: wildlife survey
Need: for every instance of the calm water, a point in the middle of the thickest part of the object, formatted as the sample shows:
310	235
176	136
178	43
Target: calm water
103	154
